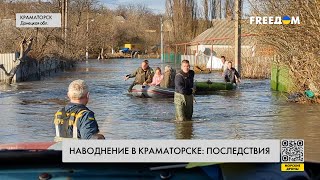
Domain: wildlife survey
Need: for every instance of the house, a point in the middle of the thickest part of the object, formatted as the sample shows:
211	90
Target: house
219	41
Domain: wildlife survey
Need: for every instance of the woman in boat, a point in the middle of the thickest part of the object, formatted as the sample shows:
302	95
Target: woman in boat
157	78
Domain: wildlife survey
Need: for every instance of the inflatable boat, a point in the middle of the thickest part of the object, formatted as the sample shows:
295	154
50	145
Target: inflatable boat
152	91
207	87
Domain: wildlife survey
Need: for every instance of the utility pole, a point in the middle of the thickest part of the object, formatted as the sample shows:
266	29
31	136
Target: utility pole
237	36
161	32
87	33
220	9
65	22
62	6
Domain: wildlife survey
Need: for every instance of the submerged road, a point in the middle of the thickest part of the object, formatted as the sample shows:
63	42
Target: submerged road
252	111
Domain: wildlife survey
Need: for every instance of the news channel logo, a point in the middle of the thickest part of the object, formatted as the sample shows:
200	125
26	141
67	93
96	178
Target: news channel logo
274	20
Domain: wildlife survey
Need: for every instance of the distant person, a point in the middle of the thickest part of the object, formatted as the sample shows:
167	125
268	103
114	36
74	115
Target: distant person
143	75
75	120
157	78
183	96
168	77
224	64
134	54
231	74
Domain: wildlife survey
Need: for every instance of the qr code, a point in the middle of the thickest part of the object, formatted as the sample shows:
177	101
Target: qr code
292	150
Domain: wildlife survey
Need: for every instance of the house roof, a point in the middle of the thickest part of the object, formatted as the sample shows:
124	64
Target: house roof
222	33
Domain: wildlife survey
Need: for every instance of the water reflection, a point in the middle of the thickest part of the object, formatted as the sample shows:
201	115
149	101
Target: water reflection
184	130
300	122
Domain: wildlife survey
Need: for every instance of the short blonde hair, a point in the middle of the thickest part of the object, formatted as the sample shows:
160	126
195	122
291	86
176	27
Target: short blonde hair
78	89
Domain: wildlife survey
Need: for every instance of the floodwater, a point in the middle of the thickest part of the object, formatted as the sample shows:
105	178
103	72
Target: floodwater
252	111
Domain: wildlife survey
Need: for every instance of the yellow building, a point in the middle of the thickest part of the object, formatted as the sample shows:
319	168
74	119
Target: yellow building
133	46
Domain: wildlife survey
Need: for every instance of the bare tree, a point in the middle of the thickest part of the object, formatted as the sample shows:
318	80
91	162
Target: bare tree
213	9
229	9
297	45
105	31
206	13
25	47
183	14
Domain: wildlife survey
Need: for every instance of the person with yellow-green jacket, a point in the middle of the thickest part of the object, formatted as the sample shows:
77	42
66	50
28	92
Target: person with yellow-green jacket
184	89
143	75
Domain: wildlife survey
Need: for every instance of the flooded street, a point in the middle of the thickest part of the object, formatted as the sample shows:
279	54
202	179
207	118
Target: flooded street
252	111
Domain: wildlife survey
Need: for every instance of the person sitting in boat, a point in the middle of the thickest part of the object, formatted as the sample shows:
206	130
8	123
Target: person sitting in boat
143	75
75	120
224	63
168	77
231	74
157	78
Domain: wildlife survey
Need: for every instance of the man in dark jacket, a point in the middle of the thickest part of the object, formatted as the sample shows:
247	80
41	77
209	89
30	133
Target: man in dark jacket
143	75
183	96
231	74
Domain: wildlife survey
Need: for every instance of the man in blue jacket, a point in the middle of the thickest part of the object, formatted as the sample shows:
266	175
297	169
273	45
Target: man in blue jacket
75	120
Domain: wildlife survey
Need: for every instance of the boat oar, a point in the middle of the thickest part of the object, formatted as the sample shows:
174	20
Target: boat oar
199	68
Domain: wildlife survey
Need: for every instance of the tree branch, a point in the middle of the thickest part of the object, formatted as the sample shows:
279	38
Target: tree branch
4	69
